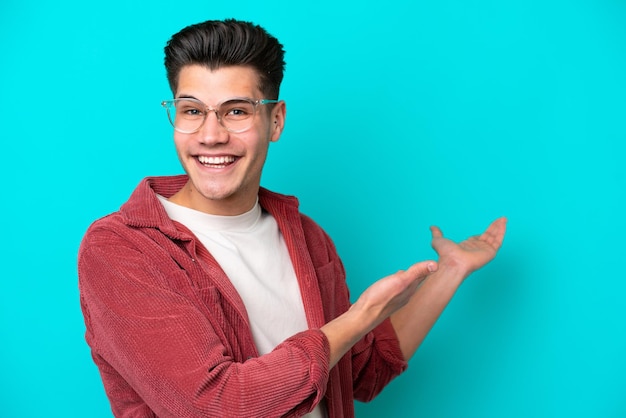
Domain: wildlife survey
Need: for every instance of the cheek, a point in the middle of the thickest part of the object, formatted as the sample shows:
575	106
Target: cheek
262	144
180	142
182	150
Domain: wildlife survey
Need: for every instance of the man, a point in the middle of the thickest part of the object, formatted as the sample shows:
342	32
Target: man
207	295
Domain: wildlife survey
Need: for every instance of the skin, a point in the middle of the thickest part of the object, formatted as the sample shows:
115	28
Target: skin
229	189
413	299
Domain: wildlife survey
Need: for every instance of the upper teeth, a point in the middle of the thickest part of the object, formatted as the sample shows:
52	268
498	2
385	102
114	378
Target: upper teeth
216	160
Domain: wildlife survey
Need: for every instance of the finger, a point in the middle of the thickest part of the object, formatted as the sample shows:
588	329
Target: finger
497	228
494	234
414	276
422	269
436	232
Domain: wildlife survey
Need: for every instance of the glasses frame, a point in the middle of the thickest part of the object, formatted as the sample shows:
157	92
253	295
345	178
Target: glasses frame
169	104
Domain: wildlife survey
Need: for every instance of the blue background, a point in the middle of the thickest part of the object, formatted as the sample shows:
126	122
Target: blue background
400	115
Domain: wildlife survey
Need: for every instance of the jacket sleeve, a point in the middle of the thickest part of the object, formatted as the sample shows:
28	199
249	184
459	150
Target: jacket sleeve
376	359
154	347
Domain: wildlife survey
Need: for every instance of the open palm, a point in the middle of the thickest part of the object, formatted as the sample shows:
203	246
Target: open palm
471	254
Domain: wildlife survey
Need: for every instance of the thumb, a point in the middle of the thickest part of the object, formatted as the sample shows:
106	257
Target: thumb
436	232
422	269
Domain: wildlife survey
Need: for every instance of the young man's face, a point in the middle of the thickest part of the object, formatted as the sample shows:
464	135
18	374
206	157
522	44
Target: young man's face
224	168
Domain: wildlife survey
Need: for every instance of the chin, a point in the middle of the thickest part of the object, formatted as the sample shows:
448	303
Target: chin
217	195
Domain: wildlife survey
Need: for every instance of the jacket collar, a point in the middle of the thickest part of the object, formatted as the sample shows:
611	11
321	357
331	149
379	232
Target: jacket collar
144	210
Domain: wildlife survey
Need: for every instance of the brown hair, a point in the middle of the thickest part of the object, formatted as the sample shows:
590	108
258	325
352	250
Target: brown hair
222	43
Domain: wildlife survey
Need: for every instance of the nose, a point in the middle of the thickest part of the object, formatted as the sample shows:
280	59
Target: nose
212	132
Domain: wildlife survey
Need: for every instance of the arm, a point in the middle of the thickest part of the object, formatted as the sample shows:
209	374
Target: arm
409	298
374	305
176	358
456	261
376	358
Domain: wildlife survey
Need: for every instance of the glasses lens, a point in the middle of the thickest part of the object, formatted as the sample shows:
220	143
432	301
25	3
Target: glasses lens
237	115
186	115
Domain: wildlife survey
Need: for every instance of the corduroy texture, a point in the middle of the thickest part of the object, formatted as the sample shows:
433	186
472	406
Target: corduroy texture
170	334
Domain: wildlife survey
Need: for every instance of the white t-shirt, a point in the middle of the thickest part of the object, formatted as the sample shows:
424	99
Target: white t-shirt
254	256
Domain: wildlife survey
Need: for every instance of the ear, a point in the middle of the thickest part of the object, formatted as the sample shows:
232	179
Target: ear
277	120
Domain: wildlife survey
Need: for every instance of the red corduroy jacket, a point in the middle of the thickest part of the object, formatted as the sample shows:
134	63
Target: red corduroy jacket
170	334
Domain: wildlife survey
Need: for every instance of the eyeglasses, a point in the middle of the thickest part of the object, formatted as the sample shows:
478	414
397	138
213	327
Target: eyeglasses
236	115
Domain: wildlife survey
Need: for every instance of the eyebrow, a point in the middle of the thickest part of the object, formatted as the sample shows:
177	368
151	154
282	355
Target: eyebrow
187	97
227	99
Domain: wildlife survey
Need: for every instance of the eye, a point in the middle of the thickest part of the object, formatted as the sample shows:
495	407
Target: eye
237	112
189	109
237	109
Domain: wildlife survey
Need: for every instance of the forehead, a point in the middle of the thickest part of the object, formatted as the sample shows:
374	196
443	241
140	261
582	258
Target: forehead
212	86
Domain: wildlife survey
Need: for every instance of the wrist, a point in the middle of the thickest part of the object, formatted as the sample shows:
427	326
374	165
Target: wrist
451	272
343	332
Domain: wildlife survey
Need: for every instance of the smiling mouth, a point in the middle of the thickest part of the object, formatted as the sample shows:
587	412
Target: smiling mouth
216	162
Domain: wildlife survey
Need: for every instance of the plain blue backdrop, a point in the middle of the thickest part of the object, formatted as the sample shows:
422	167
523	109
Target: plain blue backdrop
400	115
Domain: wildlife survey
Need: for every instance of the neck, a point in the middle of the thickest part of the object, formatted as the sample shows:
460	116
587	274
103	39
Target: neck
189	197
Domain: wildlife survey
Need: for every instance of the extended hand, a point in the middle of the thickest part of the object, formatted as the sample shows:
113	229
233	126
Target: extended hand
391	293
471	254
413	312
377	303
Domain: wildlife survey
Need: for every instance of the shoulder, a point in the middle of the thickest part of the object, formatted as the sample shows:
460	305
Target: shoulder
107	241
280	205
104	229
113	238
313	229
